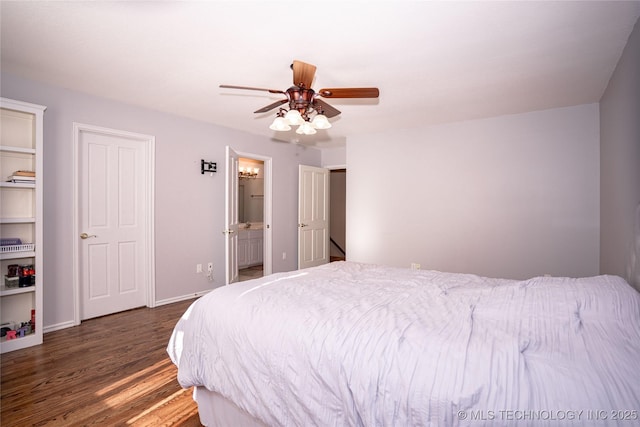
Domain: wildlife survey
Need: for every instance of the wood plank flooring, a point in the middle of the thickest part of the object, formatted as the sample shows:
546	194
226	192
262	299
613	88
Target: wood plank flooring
250	273
109	371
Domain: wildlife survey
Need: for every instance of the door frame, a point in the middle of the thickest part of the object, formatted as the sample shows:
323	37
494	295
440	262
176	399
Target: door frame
267	245
231	235
149	203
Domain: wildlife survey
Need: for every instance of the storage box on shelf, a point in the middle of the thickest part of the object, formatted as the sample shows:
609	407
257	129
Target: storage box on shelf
21	143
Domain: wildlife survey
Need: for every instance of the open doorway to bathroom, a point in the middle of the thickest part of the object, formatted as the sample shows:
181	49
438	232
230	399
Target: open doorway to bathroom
337	213
251	219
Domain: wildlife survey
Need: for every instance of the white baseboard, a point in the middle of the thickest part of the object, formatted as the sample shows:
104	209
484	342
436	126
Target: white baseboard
58	326
181	298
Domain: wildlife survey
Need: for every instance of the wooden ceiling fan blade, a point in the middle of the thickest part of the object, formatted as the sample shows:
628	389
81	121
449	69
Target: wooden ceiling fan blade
350	92
251	88
327	109
303	73
271	106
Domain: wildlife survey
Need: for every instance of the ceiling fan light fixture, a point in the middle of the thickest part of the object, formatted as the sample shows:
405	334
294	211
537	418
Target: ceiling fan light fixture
293	117
280	124
306	128
320	121
301	106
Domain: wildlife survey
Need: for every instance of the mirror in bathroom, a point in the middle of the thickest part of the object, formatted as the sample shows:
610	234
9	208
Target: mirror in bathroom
251	200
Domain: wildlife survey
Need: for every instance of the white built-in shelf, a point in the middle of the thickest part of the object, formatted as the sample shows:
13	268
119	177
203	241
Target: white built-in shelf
19	343
16	185
9	148
4	291
17	220
21	211
17	255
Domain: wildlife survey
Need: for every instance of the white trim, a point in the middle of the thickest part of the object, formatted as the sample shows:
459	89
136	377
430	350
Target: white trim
75	269
182	298
150	291
59	326
267	250
151	223
335	167
13	104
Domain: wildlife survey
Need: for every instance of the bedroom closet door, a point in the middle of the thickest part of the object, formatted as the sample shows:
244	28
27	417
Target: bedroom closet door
313	216
231	216
115	221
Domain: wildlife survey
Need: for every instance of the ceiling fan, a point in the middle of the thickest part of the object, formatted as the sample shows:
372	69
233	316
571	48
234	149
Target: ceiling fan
305	109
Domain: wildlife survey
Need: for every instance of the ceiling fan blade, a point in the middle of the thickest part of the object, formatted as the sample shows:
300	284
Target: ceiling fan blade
271	106
250	88
328	110
303	73
350	92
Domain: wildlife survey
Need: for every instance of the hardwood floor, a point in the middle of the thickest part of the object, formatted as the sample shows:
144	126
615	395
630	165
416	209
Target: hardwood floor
112	370
250	273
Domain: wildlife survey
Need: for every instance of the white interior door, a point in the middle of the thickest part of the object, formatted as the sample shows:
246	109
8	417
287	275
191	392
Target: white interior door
114	255
313	216
231	216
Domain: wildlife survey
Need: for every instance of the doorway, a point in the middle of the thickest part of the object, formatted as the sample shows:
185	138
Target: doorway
250	218
321	215
337	214
248	233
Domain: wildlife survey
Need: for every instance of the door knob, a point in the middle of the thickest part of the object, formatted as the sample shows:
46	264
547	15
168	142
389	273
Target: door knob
302	225
86	236
228	232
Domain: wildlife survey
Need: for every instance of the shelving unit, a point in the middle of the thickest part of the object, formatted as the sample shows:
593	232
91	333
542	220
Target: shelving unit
21	144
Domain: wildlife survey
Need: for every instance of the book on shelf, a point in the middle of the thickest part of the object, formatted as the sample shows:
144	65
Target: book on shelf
22	179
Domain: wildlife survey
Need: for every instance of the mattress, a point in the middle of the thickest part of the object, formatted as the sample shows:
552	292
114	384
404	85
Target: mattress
351	344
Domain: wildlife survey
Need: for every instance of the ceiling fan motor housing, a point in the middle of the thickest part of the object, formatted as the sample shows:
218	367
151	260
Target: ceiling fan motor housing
300	98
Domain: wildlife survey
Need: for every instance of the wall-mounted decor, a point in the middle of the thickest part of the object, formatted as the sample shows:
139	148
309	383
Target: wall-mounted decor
207	167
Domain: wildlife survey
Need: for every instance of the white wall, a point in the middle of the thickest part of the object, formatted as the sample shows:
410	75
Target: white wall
620	167
335	157
513	196
189	206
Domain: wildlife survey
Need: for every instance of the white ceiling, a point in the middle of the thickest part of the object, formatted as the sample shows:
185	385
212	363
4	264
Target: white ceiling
434	62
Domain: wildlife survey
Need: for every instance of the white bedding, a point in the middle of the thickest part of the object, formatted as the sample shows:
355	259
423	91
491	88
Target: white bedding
348	344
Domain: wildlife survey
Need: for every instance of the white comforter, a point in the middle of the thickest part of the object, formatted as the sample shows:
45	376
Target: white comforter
349	344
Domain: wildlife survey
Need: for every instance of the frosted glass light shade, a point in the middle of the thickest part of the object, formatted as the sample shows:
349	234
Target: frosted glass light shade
320	121
280	124
306	128
293	117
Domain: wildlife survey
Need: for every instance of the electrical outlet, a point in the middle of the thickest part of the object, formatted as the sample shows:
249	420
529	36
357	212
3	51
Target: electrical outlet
284	255
415	266
210	271
198	268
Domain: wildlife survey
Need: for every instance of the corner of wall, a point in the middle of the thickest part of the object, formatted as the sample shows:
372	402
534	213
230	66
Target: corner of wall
334	157
620	167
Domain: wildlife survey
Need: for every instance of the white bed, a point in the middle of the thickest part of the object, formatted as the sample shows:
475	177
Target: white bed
349	344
